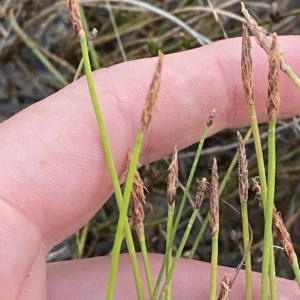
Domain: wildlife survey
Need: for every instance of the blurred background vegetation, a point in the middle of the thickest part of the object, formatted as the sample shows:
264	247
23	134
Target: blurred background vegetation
136	29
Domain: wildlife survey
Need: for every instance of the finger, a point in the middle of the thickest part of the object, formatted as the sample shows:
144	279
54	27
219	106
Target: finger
55	148
87	279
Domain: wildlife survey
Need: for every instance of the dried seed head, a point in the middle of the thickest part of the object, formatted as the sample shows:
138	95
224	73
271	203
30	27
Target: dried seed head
202	188
283	236
261	37
273	77
225	288
243	170
92	35
211	118
214	201
172	181
152	94
137	200
257	189
73	6
247	74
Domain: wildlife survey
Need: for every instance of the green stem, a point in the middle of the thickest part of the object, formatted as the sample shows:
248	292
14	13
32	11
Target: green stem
296	270
145	256
214	268
179	252
180	210
246	238
168	290
222	186
123	215
111	168
269	205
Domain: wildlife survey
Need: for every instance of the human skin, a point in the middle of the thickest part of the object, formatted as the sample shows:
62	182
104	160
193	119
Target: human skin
54	176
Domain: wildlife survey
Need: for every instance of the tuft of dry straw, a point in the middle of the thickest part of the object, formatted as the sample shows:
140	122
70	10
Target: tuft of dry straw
225	288
261	37
73	6
273	77
214	201
137	201
247	75
172	181
151	98
211	118
243	170
202	188
283	236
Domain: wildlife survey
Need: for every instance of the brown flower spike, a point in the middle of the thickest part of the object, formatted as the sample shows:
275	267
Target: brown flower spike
274	85
73	6
214	201
243	170
172	180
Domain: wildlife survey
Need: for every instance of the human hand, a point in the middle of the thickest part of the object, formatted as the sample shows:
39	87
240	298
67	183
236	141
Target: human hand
54	176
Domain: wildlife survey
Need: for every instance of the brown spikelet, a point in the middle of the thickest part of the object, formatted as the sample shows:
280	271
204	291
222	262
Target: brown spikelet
202	188
261	37
92	35
247	75
225	288
151	98
211	118
283	236
214	201
257	189
273	77
243	170
172	181
137	201
73	6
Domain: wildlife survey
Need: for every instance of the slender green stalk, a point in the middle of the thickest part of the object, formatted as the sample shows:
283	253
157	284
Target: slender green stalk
221	189
243	194
112	170
214	268
179	252
93	52
168	289
247	244
296	270
181	207
81	236
146	118
269	204
214	229
145	256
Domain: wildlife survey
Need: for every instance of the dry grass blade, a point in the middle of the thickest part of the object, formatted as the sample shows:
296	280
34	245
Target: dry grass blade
247	75
214	201
243	170
274	83
152	94
173	178
225	288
